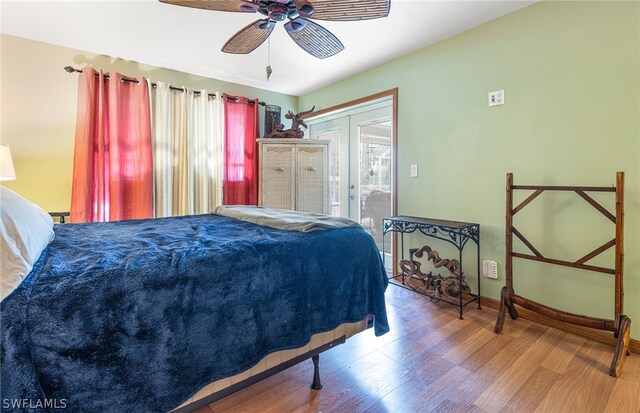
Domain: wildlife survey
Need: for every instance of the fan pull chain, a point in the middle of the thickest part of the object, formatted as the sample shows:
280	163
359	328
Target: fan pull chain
269	71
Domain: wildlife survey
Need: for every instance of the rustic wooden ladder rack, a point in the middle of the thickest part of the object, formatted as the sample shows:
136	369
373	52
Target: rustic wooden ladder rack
620	326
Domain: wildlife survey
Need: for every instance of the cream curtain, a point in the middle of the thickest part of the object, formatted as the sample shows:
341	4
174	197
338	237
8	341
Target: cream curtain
187	150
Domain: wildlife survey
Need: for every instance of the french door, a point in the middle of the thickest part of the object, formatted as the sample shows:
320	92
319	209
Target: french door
360	164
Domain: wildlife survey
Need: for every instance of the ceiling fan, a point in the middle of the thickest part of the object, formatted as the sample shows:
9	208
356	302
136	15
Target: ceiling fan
310	36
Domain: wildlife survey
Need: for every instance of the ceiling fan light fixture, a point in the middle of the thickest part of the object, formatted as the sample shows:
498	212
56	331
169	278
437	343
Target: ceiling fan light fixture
278	12
302	14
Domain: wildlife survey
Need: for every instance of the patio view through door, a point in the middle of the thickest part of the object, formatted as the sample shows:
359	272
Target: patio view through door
360	164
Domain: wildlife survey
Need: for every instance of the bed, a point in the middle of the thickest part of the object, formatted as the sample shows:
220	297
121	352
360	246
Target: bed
149	315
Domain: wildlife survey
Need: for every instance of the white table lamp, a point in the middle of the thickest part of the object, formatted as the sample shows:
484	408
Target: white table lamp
6	164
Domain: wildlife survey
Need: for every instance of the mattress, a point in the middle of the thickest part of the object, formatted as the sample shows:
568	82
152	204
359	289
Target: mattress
140	315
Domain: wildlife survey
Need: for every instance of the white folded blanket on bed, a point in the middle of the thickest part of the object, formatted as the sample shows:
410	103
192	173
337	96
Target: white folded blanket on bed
284	219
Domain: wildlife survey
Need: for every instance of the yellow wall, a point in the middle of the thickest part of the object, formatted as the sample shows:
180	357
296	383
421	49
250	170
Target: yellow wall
38	110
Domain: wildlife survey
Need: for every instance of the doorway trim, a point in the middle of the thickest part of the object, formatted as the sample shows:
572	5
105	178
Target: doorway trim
394	141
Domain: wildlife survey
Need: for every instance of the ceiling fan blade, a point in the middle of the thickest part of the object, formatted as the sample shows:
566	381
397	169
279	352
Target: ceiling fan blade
313	38
344	10
249	37
243	6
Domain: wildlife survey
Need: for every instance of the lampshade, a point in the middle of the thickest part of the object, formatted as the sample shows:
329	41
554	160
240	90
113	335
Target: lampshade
6	164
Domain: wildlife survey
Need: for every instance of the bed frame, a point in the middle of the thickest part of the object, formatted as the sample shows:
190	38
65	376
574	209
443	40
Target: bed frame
313	354
316	384
621	324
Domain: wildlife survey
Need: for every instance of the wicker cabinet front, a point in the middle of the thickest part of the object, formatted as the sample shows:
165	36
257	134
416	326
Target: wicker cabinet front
293	174
276	176
311	178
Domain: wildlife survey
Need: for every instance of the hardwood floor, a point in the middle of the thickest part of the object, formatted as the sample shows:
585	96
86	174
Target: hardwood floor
433	362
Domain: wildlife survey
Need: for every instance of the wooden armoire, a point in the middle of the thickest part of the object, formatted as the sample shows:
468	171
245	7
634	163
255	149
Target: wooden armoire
294	174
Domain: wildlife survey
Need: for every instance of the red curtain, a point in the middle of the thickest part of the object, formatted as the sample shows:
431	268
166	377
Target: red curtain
112	170
240	168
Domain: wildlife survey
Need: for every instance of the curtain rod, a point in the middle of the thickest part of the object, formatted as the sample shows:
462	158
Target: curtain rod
70	69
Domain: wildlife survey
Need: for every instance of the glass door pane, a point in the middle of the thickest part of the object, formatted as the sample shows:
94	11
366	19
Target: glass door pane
374	173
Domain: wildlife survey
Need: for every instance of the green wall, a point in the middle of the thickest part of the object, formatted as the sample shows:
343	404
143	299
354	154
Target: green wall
39	103
571	73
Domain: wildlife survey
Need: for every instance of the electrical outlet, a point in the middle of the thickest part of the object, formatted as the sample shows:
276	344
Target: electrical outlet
490	269
413	171
496	98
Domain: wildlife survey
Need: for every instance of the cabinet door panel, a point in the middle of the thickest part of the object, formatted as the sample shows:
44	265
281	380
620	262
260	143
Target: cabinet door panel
311	179
277	179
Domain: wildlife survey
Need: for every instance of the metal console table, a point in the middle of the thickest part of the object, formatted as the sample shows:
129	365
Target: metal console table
453	232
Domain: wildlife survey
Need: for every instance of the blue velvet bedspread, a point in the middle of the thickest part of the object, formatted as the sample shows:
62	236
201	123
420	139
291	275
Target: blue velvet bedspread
135	316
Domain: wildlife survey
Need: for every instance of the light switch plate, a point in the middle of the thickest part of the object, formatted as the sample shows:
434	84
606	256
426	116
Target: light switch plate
490	269
496	98
413	171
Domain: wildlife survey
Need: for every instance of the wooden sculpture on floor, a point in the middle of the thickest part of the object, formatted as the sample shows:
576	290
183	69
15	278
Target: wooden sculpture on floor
621	324
435	286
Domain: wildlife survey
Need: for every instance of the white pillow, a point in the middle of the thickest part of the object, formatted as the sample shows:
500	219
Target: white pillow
25	231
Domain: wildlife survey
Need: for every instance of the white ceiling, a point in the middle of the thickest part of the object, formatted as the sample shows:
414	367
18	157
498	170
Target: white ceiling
189	40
